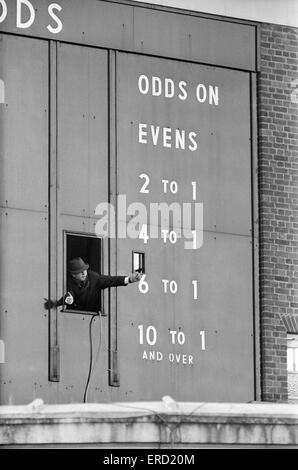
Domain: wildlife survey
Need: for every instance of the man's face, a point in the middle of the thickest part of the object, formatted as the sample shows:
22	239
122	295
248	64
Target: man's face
82	276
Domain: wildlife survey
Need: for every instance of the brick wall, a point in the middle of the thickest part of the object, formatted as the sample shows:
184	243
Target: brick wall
278	198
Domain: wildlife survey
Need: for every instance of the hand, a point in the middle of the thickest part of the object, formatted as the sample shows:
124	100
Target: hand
135	277
49	304
68	299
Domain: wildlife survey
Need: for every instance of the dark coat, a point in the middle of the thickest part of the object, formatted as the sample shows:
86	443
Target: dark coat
87	296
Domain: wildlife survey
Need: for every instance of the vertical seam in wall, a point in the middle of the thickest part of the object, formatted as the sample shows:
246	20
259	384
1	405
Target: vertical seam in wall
255	228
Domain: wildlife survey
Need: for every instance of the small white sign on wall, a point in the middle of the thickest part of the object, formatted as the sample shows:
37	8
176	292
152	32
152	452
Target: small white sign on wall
2	92
2	352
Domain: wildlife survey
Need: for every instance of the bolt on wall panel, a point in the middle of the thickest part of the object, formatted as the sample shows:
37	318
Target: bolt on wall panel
82	129
24	123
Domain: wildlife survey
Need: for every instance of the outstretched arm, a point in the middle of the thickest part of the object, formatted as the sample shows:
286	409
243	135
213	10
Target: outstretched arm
115	281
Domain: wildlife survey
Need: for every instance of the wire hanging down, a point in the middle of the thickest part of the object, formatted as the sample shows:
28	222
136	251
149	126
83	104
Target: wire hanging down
91	365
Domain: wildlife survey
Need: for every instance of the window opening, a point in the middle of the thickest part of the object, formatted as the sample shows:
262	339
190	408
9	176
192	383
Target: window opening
138	262
292	365
83	258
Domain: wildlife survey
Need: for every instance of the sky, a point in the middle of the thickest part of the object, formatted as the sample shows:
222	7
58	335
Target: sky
269	11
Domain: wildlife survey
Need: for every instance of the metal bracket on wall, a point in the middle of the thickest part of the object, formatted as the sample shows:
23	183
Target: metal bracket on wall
113	357
53	366
113	370
54	372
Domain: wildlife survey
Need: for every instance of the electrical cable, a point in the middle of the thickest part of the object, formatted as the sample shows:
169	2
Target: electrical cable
172	428
91	359
92	366
99	343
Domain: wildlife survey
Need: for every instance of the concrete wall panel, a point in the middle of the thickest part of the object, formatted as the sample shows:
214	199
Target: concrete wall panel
23	318
220	165
24	123
222	310
82	129
144	30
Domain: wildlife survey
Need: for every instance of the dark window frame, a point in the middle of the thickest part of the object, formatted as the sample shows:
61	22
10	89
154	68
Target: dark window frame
292	343
142	253
64	274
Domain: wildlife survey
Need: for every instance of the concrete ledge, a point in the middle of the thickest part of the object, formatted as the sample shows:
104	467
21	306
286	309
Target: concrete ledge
150	424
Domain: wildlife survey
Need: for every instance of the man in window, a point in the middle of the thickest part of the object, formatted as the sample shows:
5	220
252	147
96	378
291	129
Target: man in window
84	285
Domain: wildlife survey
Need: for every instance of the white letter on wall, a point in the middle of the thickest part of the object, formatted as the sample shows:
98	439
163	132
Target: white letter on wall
29	22
55	6
4	10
